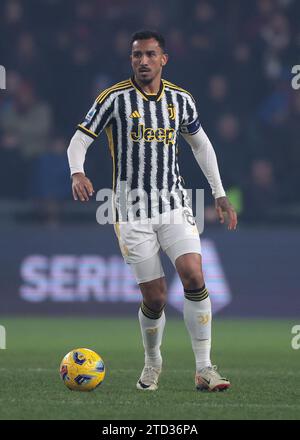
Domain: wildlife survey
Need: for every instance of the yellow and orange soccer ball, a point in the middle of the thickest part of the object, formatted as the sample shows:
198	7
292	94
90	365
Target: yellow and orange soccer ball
82	370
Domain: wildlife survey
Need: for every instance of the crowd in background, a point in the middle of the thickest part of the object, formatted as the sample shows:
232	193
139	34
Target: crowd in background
234	56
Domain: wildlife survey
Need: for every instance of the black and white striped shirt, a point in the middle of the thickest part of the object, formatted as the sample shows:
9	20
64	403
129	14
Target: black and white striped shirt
143	132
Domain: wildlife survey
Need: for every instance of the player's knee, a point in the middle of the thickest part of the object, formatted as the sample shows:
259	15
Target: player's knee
155	295
157	305
192	279
158	300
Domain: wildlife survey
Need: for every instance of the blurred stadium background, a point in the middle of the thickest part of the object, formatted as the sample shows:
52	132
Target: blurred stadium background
236	58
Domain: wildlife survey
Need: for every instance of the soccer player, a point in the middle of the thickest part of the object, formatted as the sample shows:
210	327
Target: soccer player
143	117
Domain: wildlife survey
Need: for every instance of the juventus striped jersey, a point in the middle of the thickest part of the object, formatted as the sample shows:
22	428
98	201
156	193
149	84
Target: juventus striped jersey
143	133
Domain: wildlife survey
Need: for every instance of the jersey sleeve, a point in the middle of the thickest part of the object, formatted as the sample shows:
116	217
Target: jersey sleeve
98	117
190	122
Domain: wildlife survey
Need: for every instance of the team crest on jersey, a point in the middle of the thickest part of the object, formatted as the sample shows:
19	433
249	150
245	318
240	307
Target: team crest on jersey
172	112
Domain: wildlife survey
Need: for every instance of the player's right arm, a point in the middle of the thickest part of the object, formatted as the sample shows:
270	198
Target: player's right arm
82	187
97	118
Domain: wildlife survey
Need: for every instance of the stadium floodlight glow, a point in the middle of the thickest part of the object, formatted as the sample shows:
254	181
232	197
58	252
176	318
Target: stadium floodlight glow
2	78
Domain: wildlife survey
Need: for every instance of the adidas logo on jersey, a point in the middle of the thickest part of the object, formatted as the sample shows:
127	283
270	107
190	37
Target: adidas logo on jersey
135	114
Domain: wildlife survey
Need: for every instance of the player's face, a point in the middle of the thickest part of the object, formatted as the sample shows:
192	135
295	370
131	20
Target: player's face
147	60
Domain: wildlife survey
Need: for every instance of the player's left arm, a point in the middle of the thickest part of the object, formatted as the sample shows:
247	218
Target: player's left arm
206	157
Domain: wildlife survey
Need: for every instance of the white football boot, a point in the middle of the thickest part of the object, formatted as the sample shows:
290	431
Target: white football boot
208	379
149	379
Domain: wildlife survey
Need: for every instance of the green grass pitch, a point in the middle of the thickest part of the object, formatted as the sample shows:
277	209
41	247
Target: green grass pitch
255	355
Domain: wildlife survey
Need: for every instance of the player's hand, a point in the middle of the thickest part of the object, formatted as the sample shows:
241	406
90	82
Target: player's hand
82	187
223	206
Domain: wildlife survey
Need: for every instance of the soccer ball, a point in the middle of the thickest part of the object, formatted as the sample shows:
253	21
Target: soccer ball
82	370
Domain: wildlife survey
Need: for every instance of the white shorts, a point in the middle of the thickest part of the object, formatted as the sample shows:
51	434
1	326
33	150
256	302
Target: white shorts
175	232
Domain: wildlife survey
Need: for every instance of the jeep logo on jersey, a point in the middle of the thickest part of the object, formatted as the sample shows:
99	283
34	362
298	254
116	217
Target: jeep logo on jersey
166	135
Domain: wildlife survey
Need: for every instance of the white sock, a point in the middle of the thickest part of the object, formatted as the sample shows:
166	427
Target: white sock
197	318
152	333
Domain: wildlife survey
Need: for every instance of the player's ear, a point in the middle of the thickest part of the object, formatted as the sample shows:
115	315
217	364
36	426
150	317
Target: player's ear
131	60
164	60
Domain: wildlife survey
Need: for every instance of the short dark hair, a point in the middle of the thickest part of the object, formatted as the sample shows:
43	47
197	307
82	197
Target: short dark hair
146	35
